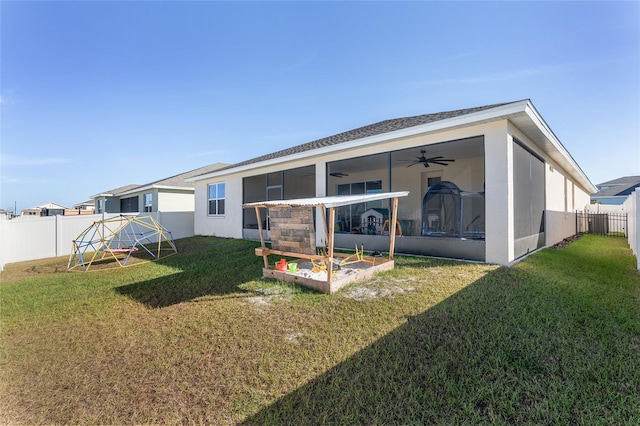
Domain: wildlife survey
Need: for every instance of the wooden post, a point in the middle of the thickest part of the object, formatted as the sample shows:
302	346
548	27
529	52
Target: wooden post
332	217
324	222
392	227
264	256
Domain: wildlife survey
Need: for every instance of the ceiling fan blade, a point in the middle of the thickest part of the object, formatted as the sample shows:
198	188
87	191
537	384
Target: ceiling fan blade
441	162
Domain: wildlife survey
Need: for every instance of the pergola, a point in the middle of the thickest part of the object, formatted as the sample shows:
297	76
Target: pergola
292	226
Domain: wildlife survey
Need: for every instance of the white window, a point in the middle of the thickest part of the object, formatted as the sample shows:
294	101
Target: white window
216	199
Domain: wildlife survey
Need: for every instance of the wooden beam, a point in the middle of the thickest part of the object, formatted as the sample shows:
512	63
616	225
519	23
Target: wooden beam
324	222
392	227
264	256
268	251
332	220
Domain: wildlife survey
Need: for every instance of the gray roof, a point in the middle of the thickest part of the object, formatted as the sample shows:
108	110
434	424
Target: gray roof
178	180
118	190
173	181
618	187
379	128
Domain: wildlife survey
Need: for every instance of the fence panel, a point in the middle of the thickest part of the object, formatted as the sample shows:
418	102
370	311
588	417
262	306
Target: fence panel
609	224
31	238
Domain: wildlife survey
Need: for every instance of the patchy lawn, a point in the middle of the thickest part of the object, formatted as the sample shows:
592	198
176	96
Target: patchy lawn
200	338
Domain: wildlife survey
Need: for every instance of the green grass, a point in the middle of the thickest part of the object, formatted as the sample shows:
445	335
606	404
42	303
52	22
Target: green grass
199	337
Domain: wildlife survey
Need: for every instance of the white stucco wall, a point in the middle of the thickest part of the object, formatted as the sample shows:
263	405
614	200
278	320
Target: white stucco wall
227	225
499	231
173	201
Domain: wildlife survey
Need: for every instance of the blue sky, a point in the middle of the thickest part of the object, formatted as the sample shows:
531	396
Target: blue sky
97	95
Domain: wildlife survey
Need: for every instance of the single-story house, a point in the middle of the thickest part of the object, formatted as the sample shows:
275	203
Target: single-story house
490	184
49	209
85	206
615	192
171	194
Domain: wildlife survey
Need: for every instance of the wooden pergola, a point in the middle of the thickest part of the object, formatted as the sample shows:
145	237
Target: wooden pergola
327	206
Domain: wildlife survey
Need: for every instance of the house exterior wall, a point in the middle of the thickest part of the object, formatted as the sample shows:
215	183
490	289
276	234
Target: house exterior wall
230	224
469	170
499	226
495	177
173	201
563	196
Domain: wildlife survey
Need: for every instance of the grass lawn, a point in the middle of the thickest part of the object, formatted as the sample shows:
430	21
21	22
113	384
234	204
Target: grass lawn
199	337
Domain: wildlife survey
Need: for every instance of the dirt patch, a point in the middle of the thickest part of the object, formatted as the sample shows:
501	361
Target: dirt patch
562	244
379	287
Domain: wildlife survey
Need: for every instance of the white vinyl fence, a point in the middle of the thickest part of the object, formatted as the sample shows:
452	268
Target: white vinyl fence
632	207
35	237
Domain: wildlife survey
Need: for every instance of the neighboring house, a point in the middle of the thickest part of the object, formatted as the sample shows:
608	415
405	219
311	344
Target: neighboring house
491	184
6	213
172	194
85	206
49	209
615	191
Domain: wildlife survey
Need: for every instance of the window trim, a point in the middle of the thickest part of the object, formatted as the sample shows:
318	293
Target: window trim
217	199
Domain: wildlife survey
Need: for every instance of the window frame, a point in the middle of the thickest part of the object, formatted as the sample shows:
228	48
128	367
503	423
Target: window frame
217	199
147	207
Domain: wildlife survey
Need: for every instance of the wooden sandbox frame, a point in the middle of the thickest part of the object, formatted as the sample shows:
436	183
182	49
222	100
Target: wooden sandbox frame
305	248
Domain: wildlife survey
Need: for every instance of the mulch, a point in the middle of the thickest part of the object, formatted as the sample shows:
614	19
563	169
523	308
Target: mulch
562	244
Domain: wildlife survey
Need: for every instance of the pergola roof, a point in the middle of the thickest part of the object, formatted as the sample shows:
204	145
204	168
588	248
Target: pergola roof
331	201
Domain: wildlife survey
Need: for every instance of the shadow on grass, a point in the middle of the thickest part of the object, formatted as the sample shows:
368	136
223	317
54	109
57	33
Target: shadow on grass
495	352
204	267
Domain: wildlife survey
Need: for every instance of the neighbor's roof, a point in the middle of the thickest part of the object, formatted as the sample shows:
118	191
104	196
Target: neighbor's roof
621	186
331	201
173	182
112	192
522	113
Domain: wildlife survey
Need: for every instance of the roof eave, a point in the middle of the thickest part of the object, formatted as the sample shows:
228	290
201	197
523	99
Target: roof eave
447	123
556	150
151	187
523	108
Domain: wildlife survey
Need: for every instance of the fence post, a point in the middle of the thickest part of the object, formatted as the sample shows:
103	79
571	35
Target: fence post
2	240
56	235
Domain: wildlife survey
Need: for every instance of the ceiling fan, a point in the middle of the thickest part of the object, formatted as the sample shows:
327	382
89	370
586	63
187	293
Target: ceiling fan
339	174
431	160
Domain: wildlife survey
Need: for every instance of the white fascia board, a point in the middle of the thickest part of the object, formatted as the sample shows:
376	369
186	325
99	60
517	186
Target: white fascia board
449	123
565	156
104	194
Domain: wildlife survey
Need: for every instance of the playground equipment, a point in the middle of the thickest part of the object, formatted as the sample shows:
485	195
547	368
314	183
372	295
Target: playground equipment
120	236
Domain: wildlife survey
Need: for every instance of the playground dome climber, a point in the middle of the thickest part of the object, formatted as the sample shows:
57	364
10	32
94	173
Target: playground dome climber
119	237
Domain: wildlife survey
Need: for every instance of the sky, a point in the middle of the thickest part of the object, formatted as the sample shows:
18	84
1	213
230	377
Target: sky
98	95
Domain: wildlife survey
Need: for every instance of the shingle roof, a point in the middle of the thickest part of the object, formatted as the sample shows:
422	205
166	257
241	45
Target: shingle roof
379	128
121	189
178	180
174	181
621	186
